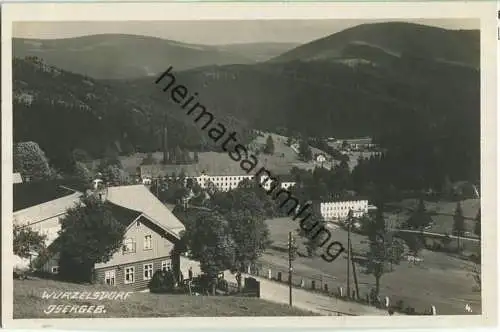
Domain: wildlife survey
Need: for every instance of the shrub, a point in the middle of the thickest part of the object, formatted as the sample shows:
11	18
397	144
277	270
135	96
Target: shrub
162	282
399	305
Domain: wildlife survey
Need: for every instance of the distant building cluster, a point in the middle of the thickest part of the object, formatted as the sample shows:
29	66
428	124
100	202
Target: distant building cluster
352	144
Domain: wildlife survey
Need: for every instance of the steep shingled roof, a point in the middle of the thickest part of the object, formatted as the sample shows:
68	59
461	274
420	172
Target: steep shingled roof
140	199
46	210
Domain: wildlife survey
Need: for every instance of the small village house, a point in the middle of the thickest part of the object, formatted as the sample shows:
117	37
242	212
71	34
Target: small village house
320	158
17	178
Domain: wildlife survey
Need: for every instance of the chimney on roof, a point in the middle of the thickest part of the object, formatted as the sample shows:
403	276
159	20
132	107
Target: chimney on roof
99	187
102	194
165	142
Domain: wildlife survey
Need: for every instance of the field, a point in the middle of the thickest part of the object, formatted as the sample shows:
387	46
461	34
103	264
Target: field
440	280
28	303
441	213
284	157
281	162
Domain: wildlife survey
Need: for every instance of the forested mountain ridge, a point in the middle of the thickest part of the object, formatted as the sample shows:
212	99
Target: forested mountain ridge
396	38
323	98
423	110
426	111
63	111
116	56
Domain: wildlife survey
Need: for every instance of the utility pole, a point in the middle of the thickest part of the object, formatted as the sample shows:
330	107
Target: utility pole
291	253
349	253
354	273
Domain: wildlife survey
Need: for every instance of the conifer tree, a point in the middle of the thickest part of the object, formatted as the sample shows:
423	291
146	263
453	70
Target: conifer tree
458	223
420	217
269	148
477	227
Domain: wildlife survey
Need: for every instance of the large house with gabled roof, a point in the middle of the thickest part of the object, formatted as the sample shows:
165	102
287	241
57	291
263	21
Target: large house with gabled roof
151	236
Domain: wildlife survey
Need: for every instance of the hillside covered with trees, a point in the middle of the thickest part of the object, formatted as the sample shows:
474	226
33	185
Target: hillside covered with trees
419	100
64	112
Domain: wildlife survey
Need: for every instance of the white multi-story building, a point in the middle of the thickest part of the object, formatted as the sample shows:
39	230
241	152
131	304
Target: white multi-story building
222	182
226	182
286	183
230	182
340	210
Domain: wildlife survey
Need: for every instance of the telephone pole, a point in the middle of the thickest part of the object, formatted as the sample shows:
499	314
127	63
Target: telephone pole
349	222
348	258
291	253
354	273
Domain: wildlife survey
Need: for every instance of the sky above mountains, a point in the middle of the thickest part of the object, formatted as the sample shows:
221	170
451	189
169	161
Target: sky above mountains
215	32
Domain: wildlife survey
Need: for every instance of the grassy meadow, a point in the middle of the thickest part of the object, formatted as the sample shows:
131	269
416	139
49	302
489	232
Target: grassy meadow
28	303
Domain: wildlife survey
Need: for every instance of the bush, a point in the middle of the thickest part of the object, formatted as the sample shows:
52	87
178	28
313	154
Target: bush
410	310
222	285
162	282
399	305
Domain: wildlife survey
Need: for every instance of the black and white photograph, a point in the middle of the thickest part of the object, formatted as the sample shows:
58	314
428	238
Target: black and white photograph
249	167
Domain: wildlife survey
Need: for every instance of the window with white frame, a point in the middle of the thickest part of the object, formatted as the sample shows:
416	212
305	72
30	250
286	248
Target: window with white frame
148	271
129	275
148	242
129	246
55	269
109	277
166	264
